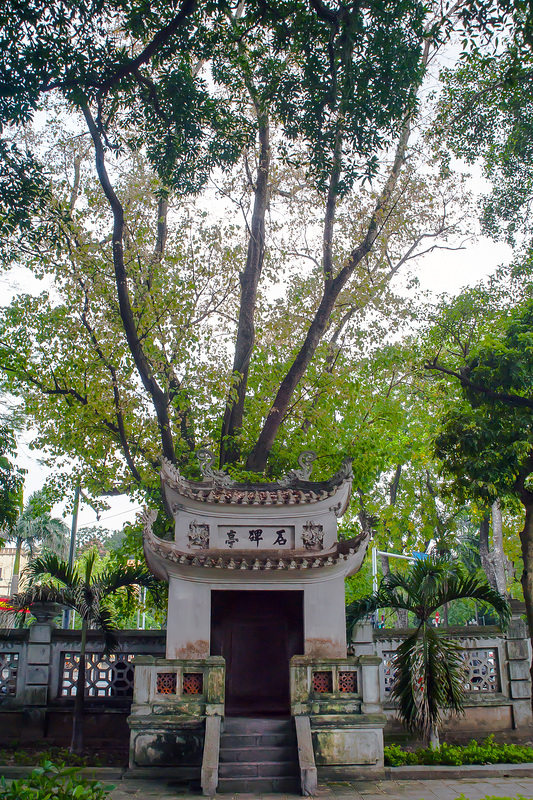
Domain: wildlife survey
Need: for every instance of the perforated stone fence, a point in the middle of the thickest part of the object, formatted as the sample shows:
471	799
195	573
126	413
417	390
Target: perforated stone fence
38	671
496	676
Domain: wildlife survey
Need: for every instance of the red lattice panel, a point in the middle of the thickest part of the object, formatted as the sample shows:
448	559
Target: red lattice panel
347	681
193	683
322	682
166	683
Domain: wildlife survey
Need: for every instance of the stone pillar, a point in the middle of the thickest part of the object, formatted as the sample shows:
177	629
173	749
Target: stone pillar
363	640
39	654
371	703
189	619
518	672
325	619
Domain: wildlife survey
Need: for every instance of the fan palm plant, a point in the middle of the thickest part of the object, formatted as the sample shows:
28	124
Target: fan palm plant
84	589
428	666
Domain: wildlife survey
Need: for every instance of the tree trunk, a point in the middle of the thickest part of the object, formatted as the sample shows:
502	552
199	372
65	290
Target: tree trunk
484	551
497	557
332	288
160	398
16	569
76	745
434	739
385	570
233	415
526	540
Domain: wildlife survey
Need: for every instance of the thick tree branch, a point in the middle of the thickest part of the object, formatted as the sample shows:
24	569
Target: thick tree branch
159	397
234	412
462	376
121	430
332	289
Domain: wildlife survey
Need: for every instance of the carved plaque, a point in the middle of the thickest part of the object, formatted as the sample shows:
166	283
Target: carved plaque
313	536
256	537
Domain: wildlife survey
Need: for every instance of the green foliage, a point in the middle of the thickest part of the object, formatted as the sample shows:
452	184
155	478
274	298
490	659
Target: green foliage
486	752
485	117
190	90
11	479
55	781
17	754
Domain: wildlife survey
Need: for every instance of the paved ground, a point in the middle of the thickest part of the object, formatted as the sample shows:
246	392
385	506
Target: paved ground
359	790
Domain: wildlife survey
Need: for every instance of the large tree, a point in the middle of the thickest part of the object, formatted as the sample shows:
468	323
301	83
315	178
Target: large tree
487	438
318	102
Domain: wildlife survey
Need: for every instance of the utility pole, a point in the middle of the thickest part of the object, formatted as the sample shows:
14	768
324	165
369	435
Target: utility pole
72	549
375	554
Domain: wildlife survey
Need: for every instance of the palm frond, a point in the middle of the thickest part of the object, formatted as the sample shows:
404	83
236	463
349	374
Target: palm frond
103	619
461	585
45	593
50	564
121	576
428	679
88	566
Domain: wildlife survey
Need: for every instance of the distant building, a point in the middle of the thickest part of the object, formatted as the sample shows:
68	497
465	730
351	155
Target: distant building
7	562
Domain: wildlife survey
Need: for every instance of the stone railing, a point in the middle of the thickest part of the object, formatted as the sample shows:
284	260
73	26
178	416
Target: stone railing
496	673
38	672
338	714
172	700
192	687
334	685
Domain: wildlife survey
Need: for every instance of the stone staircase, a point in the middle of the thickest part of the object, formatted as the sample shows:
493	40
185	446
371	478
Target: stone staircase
258	755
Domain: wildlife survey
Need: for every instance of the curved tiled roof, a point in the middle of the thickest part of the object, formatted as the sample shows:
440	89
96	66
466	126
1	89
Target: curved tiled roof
244	559
293	489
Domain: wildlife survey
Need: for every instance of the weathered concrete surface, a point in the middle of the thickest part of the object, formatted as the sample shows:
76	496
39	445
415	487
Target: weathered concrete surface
359	790
426	787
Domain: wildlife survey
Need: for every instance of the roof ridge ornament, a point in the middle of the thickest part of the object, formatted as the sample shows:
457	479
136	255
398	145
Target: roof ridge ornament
305	460
216	476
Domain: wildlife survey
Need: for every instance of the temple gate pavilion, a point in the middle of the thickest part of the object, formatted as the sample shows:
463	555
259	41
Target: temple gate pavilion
256	655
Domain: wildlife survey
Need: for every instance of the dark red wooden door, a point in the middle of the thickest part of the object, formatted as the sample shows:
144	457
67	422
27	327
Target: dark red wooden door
257	633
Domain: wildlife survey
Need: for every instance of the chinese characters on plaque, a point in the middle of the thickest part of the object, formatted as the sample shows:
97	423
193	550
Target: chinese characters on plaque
267	537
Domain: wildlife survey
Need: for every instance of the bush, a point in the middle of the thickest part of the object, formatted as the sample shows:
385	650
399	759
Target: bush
50	781
486	752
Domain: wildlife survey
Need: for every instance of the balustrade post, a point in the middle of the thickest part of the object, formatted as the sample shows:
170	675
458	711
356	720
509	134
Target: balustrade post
39	654
371	703
517	651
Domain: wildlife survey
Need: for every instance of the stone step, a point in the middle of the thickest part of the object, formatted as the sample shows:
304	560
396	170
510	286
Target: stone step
243	725
236	740
258	769
258	753
258	785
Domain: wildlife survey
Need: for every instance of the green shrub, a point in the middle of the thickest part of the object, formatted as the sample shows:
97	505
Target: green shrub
486	752
57	782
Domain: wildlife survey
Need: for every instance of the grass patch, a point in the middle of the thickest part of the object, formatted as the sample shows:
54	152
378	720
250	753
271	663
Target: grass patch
25	754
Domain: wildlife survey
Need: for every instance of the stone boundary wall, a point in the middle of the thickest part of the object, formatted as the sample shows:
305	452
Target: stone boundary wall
38	670
497	678
37	675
